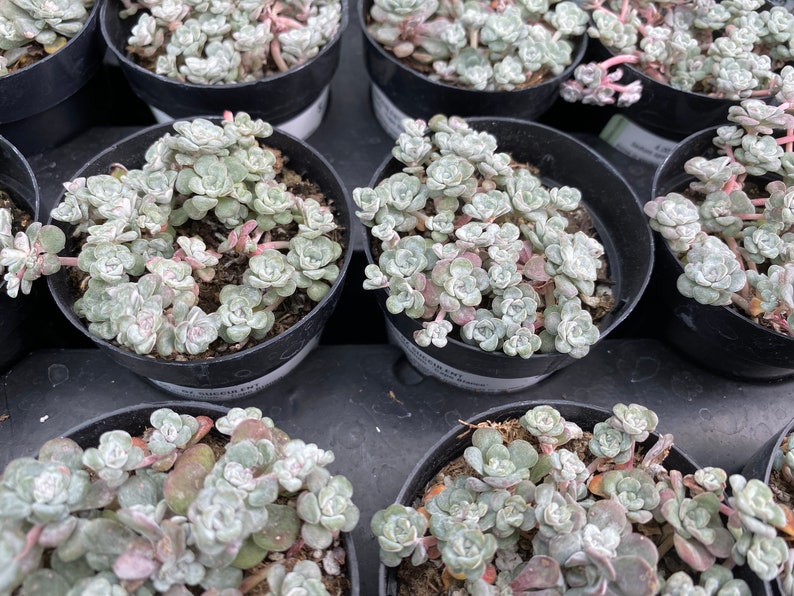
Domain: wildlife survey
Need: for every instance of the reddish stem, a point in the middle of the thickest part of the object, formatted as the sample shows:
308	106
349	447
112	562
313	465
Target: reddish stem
275	51
619	59
31	539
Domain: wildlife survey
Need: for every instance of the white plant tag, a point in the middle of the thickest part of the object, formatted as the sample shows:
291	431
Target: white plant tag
301	126
636	142
243	389
459	378
389	116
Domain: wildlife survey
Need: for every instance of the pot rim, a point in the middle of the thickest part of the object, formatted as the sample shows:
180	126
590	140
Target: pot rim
579	42
498	413
344	218
218	410
86	29
626	307
656	183
123	57
34	198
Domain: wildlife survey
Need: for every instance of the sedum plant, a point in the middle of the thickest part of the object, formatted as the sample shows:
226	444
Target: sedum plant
731	49
733	227
538	505
199	248
478	248
228	41
477	44
33	29
168	512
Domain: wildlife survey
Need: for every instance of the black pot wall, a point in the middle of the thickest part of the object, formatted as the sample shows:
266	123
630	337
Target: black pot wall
716	337
619	221
135	420
453	444
275	99
760	466
40	106
418	96
249	364
16	179
666	111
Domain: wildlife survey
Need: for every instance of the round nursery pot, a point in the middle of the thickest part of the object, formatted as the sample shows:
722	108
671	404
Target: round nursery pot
669	112
399	91
294	101
621	228
453	444
760	465
45	104
716	337
135	419
18	181
236	375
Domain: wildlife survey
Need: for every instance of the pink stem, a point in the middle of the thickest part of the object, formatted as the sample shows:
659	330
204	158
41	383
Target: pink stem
276	244
275	51
31	539
619	59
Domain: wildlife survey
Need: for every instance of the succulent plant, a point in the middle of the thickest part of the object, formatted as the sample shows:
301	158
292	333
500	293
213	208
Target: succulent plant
32	29
720	48
232	41
475	246
634	526
733	227
477	44
134	516
146	269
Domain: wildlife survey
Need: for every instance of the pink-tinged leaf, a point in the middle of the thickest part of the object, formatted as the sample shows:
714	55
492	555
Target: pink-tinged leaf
723	543
693	553
635	577
637	545
472	257
526	252
136	564
535	269
463	315
205	425
540	572
183	485
56	533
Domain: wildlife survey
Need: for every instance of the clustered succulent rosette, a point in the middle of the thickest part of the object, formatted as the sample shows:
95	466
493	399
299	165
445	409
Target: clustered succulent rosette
145	268
527	515
732	49
163	513
479	44
470	238
783	466
733	227
31	29
229	41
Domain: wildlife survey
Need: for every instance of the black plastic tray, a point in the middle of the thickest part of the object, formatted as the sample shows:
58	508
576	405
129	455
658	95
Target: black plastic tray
357	395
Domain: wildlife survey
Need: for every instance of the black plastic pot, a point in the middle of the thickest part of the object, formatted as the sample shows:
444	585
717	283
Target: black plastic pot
47	103
135	420
671	113
231	376
760	466
16	179
400	91
277	99
453	443
716	337
621	227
